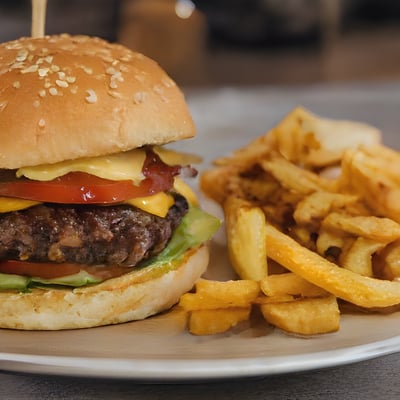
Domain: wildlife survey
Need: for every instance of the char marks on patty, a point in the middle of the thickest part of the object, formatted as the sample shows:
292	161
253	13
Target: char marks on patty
83	234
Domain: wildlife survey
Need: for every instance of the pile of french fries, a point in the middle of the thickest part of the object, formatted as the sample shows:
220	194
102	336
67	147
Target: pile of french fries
312	216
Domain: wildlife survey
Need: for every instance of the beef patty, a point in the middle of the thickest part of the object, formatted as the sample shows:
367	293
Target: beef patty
83	234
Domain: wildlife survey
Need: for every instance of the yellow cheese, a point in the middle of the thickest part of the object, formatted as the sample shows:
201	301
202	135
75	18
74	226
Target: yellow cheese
186	191
116	167
8	204
172	157
120	166
158	204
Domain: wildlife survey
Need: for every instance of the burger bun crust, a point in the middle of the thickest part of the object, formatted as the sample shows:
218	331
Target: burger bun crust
66	97
126	298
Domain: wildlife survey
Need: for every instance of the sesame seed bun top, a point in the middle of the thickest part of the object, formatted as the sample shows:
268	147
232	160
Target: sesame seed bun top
65	97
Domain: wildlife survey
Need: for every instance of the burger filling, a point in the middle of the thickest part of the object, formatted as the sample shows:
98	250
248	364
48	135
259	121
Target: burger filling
74	228
115	235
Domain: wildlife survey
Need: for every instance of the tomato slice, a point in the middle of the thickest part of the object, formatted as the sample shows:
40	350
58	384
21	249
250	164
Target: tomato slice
48	270
83	188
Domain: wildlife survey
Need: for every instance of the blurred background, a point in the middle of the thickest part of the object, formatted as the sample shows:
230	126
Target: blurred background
236	42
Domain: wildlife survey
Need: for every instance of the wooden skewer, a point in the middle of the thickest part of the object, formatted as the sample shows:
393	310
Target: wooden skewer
38	18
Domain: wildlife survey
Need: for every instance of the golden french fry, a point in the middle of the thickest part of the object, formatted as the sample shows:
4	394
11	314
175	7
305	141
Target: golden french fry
218	295
246	156
211	322
343	283
259	189
243	289
318	205
382	230
303	235
274	299
330	243
334	190
373	181
336	136
295	178
388	261
306	316
305	138
245	232
214	181
290	284
358	257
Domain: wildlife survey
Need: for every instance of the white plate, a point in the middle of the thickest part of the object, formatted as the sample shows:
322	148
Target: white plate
159	349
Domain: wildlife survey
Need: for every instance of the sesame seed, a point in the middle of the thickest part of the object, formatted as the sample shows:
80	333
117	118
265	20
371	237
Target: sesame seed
55	68
22	55
139	97
114	94
158	89
126	58
43	71
61	75
74	89
53	91
36	103
92	96
13	45
17	84
61	83
167	82
88	70
118	77
47	85
49	59
111	71
31	68
113	84
3	105
42	93
17	65
41	122
139	78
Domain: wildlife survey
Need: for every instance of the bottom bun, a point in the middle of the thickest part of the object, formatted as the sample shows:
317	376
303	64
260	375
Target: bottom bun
130	297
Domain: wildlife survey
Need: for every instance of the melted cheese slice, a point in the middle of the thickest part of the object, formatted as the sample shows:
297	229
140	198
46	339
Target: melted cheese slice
115	167
158	204
8	204
172	157
120	166
186	191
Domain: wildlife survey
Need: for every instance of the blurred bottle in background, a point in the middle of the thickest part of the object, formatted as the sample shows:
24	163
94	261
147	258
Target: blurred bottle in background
236	42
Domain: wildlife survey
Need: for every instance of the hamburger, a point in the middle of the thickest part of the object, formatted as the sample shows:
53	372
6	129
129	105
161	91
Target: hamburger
97	225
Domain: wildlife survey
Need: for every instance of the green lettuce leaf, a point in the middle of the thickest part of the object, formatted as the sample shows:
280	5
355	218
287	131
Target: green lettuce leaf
196	227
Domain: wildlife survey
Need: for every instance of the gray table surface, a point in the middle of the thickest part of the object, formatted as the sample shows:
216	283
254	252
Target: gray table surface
254	110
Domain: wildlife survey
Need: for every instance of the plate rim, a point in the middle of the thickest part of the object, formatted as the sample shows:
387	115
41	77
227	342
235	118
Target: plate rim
174	370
